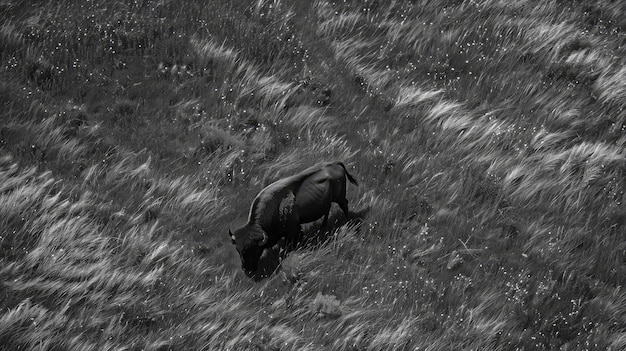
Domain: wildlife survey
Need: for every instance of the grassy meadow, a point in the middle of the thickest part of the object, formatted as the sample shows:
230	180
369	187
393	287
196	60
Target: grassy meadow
488	138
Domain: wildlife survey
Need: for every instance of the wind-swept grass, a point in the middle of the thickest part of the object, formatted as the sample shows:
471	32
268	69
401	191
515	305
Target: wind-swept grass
500	132
487	138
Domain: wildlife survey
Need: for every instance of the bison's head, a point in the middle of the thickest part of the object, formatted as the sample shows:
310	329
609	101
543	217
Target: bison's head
250	243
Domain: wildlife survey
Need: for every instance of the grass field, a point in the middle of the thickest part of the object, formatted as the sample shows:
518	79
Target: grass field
488	137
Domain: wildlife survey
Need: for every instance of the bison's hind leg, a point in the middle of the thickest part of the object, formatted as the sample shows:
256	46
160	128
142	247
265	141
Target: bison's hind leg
344	207
326	212
343	204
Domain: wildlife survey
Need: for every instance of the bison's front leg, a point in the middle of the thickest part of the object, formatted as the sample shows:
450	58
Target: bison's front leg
289	216
290	220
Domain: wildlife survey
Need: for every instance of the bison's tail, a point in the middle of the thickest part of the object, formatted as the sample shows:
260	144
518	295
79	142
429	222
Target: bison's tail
350	177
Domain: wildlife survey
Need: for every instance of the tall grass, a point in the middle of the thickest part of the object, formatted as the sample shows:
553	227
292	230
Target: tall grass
501	141
487	138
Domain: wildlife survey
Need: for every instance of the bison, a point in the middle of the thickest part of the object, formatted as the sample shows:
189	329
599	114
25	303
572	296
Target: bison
279	209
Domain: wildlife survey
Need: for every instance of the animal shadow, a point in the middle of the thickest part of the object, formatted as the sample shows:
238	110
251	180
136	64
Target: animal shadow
311	236
315	235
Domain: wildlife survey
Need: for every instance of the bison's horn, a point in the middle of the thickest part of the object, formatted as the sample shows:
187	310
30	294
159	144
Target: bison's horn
231	235
263	240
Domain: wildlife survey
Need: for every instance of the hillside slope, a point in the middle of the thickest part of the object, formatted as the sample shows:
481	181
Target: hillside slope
488	139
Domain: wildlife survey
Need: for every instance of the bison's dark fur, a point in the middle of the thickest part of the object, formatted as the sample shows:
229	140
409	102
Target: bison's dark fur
280	208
